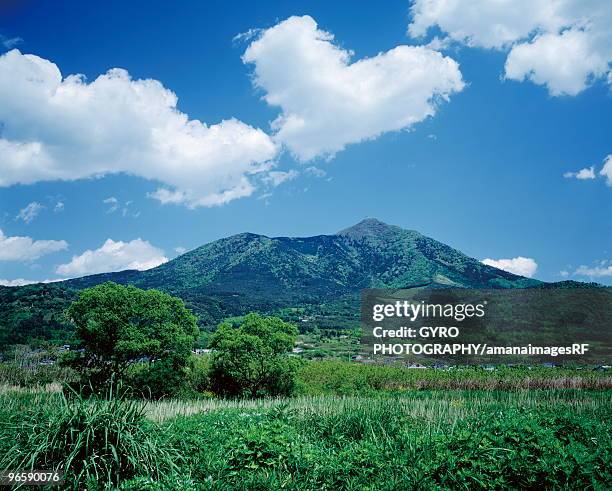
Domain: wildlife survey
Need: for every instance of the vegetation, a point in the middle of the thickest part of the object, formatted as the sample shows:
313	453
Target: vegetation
89	441
333	377
250	359
253	273
398	434
549	439
33	314
342	378
119	326
222	420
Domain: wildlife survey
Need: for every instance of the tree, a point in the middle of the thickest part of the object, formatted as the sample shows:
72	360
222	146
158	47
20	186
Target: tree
251	359
119	326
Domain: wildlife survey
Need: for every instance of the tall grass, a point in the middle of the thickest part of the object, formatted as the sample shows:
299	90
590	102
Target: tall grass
553	439
447	406
426	440
90	441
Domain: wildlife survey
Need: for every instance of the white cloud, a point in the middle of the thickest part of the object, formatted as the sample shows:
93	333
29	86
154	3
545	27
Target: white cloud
594	271
315	171
180	250
22	282
276	178
242	188
562	44
328	101
114	256
16	282
582	174
59	207
606	170
26	249
439	44
246	36
589	172
30	212
564	62
265	197
113	204
523	266
483	23
66	128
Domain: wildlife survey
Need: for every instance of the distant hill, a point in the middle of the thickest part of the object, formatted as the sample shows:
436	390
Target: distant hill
248	272
369	254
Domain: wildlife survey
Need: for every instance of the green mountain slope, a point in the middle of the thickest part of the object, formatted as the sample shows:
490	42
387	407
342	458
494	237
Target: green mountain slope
253	272
369	254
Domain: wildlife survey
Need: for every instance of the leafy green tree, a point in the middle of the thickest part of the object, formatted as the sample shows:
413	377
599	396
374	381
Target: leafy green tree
120	326
251	359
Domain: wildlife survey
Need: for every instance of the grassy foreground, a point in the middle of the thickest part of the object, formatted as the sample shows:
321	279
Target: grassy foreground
478	439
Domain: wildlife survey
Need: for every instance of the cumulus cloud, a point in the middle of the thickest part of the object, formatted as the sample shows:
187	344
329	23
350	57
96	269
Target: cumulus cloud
30	212
64	127
114	256
589	172
564	62
18	248
180	250
561	44
606	170
523	266
328	101
59	207
582	174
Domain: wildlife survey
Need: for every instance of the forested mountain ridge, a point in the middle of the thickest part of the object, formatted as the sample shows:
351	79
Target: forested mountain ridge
250	272
369	254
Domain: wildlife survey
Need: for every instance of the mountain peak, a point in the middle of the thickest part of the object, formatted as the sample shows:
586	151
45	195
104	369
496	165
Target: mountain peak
368	227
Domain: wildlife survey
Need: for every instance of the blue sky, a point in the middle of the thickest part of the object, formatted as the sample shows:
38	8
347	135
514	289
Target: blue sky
484	172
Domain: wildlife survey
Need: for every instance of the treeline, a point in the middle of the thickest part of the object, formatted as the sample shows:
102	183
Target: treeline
35	314
143	340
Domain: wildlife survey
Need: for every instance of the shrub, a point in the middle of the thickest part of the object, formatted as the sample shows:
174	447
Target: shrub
251	359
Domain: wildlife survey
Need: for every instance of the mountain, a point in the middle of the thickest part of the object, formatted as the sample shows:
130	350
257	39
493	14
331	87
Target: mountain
369	254
248	272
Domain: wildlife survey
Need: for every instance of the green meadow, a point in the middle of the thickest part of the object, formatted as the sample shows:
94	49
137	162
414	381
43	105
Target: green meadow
137	408
398	432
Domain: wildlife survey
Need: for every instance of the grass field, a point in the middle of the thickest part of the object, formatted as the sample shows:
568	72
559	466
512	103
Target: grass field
429	439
